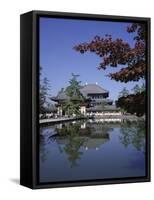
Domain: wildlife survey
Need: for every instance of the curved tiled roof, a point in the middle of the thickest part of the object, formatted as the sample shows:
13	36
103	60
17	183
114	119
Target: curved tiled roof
62	95
92	89
85	90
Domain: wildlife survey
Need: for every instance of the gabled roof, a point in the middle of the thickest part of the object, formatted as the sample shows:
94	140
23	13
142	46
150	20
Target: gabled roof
60	96
85	90
92	89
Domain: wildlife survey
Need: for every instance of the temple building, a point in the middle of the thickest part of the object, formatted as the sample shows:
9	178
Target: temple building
96	101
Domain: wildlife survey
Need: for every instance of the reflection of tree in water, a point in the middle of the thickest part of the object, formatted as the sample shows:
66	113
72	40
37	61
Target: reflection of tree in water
73	137
69	135
133	133
42	147
72	149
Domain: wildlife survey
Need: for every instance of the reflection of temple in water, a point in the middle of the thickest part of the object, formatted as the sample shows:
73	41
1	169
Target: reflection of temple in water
77	137
74	139
90	135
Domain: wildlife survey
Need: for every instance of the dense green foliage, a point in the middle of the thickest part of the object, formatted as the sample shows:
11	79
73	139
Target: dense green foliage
72	106
43	94
133	103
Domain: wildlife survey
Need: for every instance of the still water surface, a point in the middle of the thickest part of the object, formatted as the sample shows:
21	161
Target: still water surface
83	150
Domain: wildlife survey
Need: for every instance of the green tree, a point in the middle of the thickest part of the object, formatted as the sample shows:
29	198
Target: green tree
142	89
73	90
136	89
124	93
43	95
72	106
133	103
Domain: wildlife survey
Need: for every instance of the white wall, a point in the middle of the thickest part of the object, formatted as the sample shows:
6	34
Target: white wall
9	100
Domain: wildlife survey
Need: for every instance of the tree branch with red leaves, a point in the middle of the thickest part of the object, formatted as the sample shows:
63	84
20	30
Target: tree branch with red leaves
114	53
118	52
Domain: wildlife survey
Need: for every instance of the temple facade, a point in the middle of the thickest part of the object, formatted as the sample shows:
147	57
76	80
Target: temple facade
96	102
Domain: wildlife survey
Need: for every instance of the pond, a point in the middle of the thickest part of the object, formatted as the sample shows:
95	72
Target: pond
92	149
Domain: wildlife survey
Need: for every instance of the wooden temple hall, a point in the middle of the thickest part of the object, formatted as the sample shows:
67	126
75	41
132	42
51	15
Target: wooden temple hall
96	101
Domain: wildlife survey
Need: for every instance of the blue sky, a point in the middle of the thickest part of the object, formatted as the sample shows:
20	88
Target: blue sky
58	59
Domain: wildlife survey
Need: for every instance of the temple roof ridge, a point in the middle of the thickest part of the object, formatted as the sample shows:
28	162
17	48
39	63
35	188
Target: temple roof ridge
93	88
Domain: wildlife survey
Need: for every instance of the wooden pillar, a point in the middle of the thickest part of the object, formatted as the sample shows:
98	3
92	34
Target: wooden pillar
83	110
60	111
